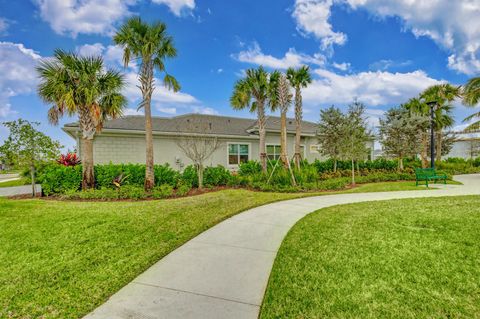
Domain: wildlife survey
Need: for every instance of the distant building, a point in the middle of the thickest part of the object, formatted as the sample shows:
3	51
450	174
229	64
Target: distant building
466	146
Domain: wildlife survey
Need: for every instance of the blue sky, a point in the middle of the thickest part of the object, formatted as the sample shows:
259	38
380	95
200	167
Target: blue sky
382	52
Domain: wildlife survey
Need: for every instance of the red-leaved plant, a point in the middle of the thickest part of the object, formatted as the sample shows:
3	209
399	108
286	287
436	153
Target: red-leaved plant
69	159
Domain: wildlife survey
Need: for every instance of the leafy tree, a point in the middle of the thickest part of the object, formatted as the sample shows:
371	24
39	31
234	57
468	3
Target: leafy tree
82	86
330	133
355	136
399	133
299	79
471	97
260	86
29	146
151	45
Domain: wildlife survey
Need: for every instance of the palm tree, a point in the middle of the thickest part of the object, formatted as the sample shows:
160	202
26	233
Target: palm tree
260	86
283	101
415	105
471	97
299	79
444	94
151	45
82	86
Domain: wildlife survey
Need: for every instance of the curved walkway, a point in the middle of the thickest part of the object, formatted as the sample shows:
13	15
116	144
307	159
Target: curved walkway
223	272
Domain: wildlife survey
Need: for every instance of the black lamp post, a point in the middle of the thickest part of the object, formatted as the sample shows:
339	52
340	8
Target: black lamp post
432	105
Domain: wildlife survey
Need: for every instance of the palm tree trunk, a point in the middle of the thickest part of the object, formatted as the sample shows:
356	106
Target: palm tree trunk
283	139
88	128
262	135
146	80
88	177
298	125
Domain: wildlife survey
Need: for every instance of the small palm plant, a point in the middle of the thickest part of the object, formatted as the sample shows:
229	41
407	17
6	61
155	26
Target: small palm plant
81	86
299	79
151	45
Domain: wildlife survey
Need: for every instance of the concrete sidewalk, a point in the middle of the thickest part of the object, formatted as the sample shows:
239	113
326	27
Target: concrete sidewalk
19	190
223	272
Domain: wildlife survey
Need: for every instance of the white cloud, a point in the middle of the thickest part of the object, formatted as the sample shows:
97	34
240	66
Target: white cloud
166	110
17	70
129	111
254	55
3	25
312	17
341	66
372	88
454	25
204	110
177	6
220	70
386	64
83	16
160	96
90	49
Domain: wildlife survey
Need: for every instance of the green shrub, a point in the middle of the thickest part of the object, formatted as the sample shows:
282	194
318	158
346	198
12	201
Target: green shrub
249	168
131	192
58	179
183	190
163	191
164	174
189	176
216	176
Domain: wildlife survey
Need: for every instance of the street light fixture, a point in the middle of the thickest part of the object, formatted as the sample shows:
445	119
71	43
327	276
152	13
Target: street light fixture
432	105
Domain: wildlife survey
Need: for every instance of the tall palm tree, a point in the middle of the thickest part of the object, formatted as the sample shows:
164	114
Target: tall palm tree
444	94
260	86
151	45
82	86
299	79
417	106
283	101
471	97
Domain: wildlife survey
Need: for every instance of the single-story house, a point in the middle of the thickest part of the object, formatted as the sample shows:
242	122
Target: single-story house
467	146
122	140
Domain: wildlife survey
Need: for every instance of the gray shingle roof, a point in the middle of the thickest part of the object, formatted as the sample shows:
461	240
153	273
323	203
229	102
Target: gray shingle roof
199	123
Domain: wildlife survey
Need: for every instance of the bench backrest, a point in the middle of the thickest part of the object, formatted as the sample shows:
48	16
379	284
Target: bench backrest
425	171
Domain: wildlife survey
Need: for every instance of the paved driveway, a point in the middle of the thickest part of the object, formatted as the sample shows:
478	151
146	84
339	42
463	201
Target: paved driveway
18	190
223	272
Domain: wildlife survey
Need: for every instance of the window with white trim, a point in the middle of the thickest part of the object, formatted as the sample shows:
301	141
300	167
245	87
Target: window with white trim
238	153
274	151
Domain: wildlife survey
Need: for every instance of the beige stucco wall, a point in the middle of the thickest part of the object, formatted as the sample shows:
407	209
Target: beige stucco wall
130	148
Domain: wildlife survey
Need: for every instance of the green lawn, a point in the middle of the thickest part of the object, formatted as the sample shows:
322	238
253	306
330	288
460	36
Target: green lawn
414	258
62	259
18	182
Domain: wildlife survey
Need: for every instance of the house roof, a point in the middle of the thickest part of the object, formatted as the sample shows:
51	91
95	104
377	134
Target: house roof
202	124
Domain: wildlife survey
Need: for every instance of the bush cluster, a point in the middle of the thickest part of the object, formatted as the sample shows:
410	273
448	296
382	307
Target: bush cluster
319	175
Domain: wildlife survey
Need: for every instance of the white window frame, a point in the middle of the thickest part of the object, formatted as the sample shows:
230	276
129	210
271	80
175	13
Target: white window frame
238	143
279	145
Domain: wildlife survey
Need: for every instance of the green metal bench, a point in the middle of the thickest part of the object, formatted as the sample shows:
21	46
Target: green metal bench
429	174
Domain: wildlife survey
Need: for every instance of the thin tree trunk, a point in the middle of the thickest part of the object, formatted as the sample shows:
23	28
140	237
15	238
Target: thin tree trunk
438	147
146	79
262	135
32	177
283	139
400	163
335	165
353	173
88	177
200	176
298	126
424	152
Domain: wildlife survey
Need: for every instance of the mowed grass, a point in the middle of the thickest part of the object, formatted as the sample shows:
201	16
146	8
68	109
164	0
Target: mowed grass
413	258
17	182
62	259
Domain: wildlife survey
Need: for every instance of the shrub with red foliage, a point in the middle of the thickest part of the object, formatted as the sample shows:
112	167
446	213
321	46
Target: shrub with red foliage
70	159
